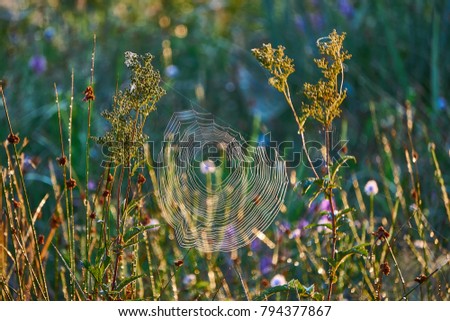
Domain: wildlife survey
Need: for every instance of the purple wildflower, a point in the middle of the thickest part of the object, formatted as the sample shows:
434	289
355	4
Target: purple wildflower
346	8
38	64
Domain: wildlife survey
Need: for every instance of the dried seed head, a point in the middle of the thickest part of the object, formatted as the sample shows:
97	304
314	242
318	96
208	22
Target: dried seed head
62	160
265	283
178	263
89	94
110	178
141	179
55	221
106	193
385	268
71	183
41	239
381	233
13	139
93	215
16	204
421	278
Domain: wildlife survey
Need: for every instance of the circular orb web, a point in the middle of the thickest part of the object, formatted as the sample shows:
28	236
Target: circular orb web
216	190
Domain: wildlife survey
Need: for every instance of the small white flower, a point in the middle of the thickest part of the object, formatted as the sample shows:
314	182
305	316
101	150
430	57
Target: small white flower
207	167
371	188
129	58
189	280
278	280
171	71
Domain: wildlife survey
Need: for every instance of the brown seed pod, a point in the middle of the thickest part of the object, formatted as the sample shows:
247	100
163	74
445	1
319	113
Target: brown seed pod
13	139
385	268
141	179
71	183
62	161
89	94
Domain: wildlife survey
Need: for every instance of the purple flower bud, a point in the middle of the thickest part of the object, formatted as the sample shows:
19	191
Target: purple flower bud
38	64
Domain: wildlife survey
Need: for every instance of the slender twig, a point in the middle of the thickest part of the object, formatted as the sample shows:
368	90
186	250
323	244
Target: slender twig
244	284
119	236
15	250
71	220
88	136
29	215
402	279
329	194
405	296
171	276
287	96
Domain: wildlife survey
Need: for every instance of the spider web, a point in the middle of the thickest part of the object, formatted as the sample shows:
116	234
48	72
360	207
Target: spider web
216	190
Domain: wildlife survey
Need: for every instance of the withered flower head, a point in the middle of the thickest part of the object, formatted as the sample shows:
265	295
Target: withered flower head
16	204
13	139
110	178
89	94
106	193
385	268
178	263
62	161
141	179
71	183
55	221
381	233
41	239
421	278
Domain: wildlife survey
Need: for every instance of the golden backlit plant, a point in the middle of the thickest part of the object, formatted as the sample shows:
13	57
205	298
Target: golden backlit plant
324	104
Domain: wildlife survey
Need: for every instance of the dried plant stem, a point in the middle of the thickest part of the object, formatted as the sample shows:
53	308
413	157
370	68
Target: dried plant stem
287	96
171	276
405	296
150	266
14	249
329	195
71	220
402	279
88	136
118	220
238	270
29	215
66	192
440	179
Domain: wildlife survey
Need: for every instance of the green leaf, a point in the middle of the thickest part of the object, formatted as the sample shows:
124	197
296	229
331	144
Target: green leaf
122	284
97	270
309	226
136	230
294	284
133	205
342	256
310	182
336	166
